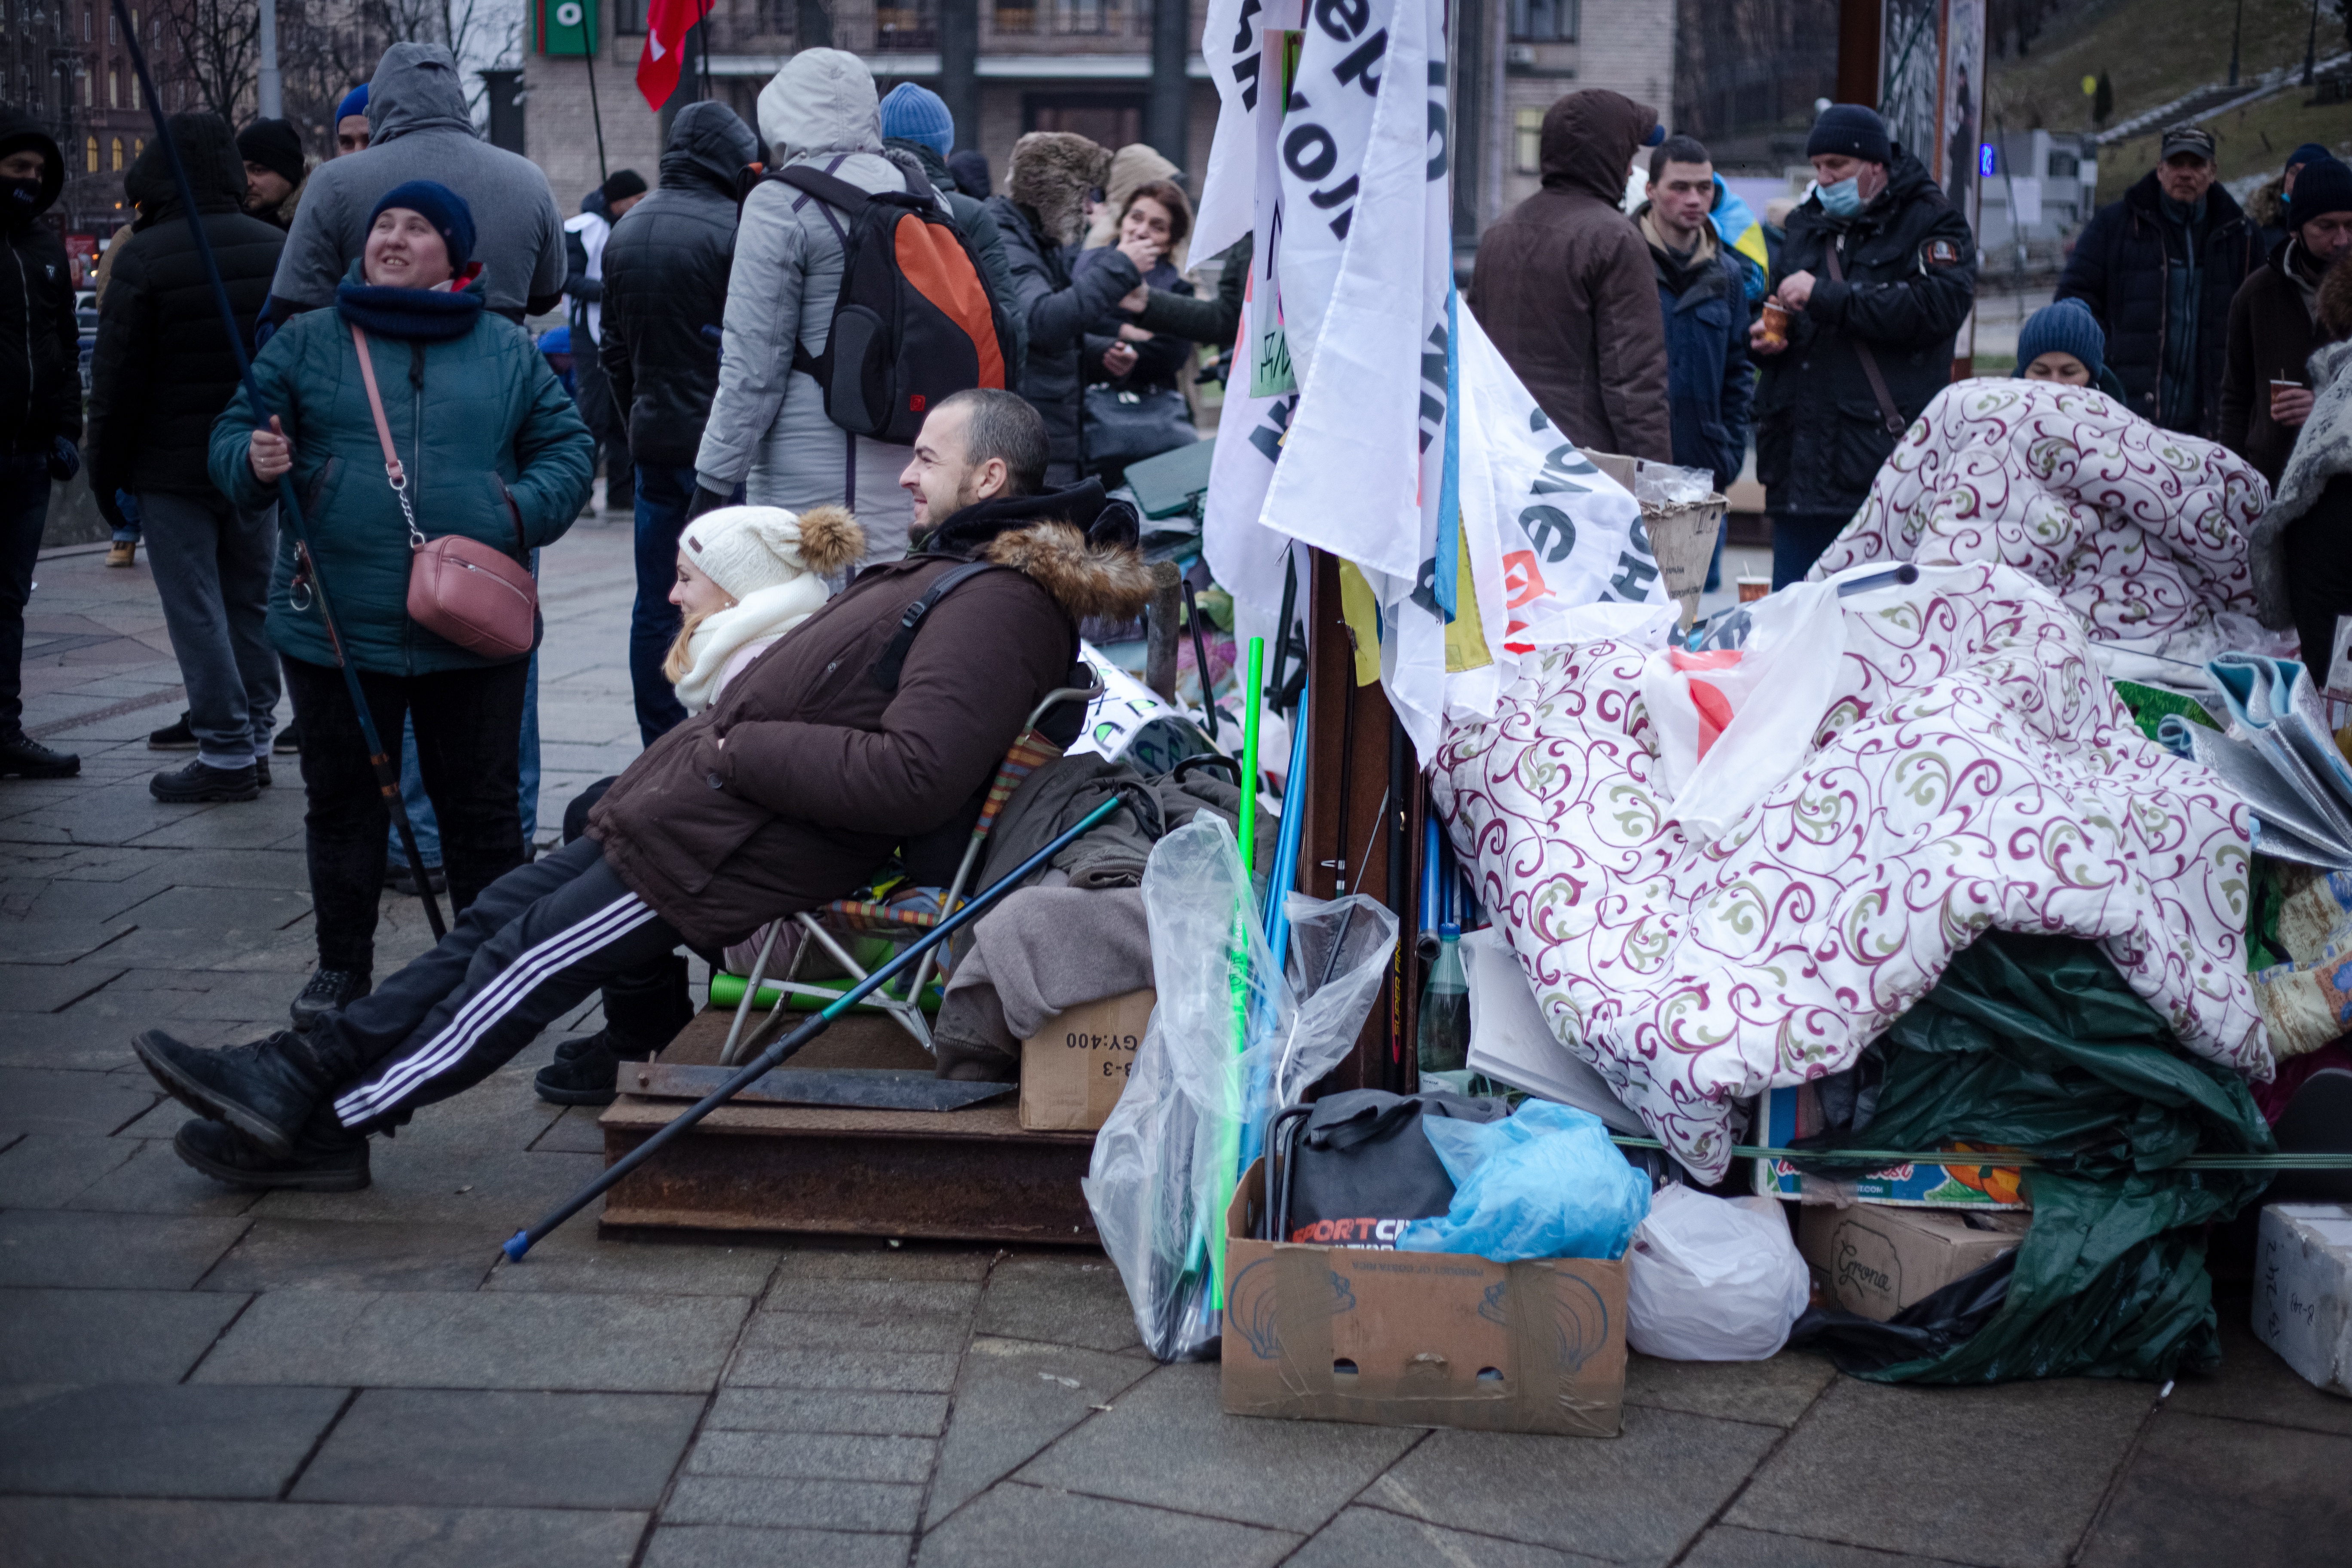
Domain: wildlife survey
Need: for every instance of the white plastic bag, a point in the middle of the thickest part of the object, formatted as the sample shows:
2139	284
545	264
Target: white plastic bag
1714	1279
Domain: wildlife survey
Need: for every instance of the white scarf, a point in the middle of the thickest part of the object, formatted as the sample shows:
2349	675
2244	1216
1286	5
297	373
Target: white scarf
760	616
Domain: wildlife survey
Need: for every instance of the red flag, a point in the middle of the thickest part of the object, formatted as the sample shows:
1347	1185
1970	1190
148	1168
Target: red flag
666	24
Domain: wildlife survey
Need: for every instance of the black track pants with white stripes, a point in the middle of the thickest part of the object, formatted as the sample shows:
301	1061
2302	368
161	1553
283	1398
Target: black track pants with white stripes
534	944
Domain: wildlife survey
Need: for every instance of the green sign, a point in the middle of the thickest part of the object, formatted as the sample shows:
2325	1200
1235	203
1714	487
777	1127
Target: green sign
567	26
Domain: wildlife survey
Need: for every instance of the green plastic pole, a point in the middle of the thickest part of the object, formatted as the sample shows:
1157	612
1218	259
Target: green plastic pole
1229	1137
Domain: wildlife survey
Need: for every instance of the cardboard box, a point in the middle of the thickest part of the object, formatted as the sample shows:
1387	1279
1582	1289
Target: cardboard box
2303	1291
1072	1074
1793	1113
1420	1338
1876	1260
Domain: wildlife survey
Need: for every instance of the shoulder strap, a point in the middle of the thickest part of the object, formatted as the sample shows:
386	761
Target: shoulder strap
828	188
887	668
394	475
1886	410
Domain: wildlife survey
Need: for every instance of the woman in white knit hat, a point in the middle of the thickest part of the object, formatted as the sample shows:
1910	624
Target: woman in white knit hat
746	576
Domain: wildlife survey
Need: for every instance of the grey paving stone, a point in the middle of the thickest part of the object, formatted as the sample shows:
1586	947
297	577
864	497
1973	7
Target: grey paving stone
474	1448
162	1440
1059	1299
880	1260
192	907
2254	1385
61	940
1031	1527
155	1180
1368	1538
900	1298
1167	1443
1728	1546
50	987
768	1504
575	1259
726	1546
360	1256
54	1040
107	1336
1636	1498
803	1410
1774	1391
1014	1397
62	1532
899	1371
493	1185
807	1455
854	1331
573	1132
110	1250
2201	1489
1920	1469
47	1170
71	1104
430	1340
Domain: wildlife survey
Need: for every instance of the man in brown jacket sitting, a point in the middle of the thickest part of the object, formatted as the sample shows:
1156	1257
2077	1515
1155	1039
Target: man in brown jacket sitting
851	736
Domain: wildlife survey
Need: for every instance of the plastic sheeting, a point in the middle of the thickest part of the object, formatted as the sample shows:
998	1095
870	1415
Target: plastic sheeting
1544	1182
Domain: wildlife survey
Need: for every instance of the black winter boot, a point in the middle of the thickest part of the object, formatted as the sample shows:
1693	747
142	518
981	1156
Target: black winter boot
22	757
641	1015
329	990
326	1157
267	1090
201	782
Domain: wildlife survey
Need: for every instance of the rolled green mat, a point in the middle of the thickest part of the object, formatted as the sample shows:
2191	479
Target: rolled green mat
727	991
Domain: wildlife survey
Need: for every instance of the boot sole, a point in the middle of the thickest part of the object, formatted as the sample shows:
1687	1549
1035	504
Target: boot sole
575	1096
211	1106
42	772
205	796
171	746
345	1181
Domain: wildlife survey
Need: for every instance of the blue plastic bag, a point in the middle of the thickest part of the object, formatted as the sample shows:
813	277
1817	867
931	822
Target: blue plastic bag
1545	1182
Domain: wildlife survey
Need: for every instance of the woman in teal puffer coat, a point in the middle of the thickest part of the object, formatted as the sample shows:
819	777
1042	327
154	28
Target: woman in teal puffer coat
493	450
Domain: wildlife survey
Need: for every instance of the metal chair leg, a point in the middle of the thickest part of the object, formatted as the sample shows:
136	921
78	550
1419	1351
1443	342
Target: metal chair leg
729	1054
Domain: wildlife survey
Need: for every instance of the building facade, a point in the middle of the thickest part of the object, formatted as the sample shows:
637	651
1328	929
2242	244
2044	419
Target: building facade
65	63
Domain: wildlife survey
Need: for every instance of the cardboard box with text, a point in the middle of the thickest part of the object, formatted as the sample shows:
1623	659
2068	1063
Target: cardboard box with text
1072	1074
1876	1260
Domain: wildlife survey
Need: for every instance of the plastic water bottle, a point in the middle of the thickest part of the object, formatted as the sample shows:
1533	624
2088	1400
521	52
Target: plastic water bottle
1444	1040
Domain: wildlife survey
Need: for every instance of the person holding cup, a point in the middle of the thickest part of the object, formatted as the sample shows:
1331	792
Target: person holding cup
2267	395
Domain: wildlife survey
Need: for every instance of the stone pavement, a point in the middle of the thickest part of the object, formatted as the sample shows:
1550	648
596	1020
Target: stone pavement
195	1376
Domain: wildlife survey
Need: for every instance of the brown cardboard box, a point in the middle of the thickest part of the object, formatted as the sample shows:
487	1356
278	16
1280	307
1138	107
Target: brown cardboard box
1876	1260
1072	1074
1420	1338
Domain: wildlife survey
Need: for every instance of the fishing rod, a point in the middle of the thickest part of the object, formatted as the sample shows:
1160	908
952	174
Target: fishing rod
387	772
522	1241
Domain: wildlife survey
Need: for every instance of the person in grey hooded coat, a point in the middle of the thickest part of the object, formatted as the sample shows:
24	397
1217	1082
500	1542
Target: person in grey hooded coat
423	129
768	430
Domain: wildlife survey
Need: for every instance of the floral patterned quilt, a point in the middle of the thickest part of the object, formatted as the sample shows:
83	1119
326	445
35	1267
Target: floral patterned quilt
2142	532
1973	770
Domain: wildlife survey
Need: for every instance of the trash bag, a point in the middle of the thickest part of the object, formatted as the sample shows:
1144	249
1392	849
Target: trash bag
1714	1279
1229	1042
2035	1044
1544	1182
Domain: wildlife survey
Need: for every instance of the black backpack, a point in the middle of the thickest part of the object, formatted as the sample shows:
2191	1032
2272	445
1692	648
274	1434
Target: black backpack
913	322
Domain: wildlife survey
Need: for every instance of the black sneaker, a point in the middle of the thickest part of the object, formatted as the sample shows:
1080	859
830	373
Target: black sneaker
200	782
289	741
22	757
586	1071
174	736
260	1089
320	1161
400	879
330	991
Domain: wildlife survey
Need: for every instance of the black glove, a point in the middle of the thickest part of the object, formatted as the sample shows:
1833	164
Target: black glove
706	500
65	461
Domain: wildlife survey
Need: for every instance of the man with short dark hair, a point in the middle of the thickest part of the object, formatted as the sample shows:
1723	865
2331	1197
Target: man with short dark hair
2158	269
2266	394
1702	294
791	790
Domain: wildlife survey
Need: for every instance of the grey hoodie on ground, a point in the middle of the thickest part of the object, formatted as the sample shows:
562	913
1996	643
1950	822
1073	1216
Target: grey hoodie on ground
423	130
768	429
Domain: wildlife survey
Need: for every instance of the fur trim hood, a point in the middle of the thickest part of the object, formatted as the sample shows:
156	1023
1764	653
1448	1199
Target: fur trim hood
1050	174
2267	204
1077	545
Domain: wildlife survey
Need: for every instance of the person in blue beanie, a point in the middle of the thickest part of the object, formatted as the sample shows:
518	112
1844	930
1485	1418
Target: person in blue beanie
352	129
493	450
2064	343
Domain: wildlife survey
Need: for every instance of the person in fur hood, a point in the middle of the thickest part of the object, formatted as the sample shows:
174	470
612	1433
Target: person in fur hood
860	734
2301	552
746	576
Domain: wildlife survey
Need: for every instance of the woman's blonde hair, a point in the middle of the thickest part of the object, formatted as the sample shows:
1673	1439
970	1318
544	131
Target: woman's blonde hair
680	657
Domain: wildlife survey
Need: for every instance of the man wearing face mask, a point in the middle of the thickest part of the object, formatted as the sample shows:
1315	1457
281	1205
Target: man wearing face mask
1873	279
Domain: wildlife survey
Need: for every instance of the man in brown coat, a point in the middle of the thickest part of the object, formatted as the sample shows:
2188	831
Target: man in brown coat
1563	283
2266	392
851	736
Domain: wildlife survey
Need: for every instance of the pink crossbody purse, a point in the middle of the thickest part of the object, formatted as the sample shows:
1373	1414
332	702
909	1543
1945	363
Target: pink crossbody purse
478	597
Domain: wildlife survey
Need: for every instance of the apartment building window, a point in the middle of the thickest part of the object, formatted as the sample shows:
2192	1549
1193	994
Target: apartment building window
629	15
2064	166
909	25
118	154
1016	16
85	32
1545	21
111	36
134	94
1110	119
89	93
1087	17
114	87
1526	131
778	16
89	156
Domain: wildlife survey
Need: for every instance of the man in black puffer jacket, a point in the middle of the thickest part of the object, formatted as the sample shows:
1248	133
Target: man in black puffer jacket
665	270
40	409
161	373
1909	266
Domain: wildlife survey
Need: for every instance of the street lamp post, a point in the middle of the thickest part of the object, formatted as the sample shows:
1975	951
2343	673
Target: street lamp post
2310	46
2237	29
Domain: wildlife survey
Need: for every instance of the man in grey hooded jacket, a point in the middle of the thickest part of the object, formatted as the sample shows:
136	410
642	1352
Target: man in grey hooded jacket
424	130
768	430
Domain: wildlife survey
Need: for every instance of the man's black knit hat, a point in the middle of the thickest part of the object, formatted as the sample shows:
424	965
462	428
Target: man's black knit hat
2325	186
274	144
1850	130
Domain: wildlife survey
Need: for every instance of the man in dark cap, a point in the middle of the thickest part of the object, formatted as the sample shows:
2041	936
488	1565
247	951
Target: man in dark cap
274	170
1875	276
2266	392
2158	269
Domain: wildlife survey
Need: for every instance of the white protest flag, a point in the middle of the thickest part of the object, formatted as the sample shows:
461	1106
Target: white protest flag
1230	37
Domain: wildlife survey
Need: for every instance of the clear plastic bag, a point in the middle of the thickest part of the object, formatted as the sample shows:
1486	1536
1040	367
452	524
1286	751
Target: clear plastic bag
1544	1182
1664	484
1165	1163
1714	1279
